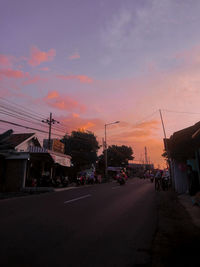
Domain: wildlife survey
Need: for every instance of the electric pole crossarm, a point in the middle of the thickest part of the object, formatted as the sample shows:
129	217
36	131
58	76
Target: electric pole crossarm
50	121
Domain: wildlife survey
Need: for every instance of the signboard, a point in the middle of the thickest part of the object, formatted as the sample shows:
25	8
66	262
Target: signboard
55	145
58	146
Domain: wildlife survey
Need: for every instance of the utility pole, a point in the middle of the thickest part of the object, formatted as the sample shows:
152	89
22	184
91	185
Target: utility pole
166	144
162	124
50	121
106	155
145	152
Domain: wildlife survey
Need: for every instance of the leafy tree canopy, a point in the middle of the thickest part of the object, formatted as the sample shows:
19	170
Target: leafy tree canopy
117	155
82	146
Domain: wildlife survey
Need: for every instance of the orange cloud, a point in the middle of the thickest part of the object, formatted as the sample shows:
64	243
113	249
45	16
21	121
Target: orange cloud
52	95
132	135
72	122
75	115
148	124
81	78
74	56
37	56
10	73
87	126
63	102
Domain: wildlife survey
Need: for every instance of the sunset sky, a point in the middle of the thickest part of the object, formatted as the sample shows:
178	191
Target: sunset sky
92	62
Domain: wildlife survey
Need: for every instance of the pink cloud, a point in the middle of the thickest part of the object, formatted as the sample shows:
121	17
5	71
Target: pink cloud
6	61
10	73
74	56
37	56
32	80
45	69
81	78
190	56
63	102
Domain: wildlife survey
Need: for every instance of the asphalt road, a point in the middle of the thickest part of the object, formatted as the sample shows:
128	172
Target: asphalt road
98	225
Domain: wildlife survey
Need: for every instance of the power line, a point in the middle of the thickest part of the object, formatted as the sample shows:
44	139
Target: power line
186	112
27	127
15	115
18	117
145	118
20	111
21	107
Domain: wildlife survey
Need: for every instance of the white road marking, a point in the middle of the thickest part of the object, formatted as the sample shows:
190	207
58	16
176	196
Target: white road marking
118	186
75	199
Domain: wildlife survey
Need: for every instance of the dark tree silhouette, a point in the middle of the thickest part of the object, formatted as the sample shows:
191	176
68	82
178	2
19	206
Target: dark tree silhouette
117	156
82	147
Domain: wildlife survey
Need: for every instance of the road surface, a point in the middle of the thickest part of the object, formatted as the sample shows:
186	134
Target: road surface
98	225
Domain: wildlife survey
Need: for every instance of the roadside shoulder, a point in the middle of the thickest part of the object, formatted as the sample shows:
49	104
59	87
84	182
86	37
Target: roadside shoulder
176	241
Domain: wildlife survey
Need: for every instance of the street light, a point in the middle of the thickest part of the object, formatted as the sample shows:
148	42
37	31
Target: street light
106	158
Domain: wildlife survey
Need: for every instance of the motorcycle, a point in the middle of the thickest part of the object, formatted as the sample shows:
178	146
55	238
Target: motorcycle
64	181
80	180
151	178
165	183
121	180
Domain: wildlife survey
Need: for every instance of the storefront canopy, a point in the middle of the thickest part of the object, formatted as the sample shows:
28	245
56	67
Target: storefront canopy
59	158
63	160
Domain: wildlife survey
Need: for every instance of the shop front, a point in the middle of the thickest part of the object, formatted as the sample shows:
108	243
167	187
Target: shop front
46	168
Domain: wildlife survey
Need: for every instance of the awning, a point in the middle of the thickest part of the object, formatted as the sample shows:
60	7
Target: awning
63	160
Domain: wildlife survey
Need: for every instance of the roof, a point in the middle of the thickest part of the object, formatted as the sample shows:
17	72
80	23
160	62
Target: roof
14	140
186	133
182	143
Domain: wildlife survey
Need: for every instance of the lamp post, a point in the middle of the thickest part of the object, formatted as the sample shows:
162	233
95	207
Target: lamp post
105	149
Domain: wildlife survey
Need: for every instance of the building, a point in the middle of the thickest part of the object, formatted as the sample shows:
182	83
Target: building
23	160
184	149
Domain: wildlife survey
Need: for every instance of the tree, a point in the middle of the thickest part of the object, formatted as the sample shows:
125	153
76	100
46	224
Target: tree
82	147
165	156
117	156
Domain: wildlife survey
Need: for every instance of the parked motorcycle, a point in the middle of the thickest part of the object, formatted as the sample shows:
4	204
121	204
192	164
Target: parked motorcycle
56	182
64	181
